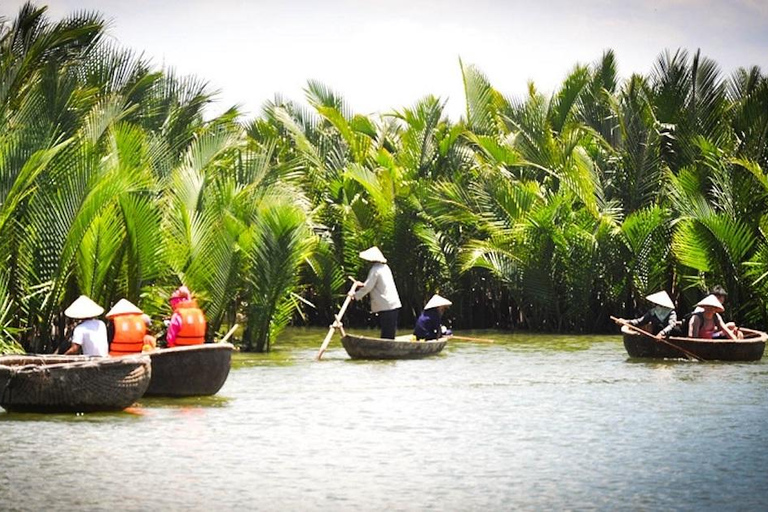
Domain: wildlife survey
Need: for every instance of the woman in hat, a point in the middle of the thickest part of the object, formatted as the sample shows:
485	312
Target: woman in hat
428	324
662	316
381	285
90	335
187	325
708	323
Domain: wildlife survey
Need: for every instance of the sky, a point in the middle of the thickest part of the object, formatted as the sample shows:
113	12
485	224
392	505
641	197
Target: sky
387	55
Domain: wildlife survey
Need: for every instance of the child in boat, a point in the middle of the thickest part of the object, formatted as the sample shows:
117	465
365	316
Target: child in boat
150	342
707	323
428	324
662	317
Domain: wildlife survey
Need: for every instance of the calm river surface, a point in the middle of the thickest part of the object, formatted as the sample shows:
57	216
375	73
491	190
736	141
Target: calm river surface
529	423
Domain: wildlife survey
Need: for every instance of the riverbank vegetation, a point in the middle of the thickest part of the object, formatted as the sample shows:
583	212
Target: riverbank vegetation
546	212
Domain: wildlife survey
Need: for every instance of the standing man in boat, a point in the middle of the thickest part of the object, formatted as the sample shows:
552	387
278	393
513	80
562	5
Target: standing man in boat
90	335
187	326
380	283
428	325
662	317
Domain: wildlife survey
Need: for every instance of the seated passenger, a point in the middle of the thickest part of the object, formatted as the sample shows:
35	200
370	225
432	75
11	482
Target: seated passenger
707	323
90	335
187	326
721	295
662	317
428	324
129	328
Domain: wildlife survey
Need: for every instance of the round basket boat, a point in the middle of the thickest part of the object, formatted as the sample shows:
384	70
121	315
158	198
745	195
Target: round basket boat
39	383
751	348
363	347
195	370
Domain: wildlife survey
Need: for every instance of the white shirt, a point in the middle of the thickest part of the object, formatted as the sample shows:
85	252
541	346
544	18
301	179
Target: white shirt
381	285
91	335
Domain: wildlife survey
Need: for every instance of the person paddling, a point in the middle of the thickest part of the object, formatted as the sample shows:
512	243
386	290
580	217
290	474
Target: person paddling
380	283
662	317
428	324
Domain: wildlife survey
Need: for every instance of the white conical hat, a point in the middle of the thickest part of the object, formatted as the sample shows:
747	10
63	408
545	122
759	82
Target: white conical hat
83	307
711	301
123	307
373	254
436	301
662	299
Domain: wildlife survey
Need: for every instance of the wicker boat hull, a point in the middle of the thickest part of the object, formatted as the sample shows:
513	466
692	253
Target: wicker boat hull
196	370
56	384
363	347
751	348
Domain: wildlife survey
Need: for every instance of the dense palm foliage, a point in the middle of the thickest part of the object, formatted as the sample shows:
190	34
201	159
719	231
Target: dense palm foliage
542	212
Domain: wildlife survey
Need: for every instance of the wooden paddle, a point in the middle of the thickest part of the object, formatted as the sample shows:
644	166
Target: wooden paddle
467	338
337	323
687	353
229	333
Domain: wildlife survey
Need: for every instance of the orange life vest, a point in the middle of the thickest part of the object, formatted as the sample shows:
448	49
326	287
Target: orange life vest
129	334
193	324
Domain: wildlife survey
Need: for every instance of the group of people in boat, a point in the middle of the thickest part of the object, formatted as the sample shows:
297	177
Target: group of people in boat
705	321
130	326
385	301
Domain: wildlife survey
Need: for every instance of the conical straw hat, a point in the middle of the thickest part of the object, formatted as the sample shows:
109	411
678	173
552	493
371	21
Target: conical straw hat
123	307
373	254
711	301
436	301
662	299
82	308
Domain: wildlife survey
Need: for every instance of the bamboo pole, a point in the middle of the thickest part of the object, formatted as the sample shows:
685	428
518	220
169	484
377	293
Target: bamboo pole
337	322
467	338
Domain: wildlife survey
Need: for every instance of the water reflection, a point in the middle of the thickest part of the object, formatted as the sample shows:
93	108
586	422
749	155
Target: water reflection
530	422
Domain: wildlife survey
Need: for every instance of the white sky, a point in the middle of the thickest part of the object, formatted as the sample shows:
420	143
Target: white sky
384	55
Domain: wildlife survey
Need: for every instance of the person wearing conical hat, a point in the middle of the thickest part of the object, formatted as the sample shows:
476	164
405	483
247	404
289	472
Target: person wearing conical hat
428	325
380	284
721	295
130	329
90	335
662	317
708	323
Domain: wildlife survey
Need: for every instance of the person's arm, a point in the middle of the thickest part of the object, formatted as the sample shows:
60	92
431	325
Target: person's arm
724	327
77	341
671	324
368	285
693	326
640	321
173	329
73	349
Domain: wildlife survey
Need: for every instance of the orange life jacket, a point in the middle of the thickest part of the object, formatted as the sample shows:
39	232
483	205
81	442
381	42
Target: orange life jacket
193	324
129	334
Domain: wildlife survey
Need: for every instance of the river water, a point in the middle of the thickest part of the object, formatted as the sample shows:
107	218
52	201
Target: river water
529	423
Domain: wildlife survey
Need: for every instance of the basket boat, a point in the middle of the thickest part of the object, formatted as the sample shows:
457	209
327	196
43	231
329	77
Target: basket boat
363	347
194	370
751	348
50	384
